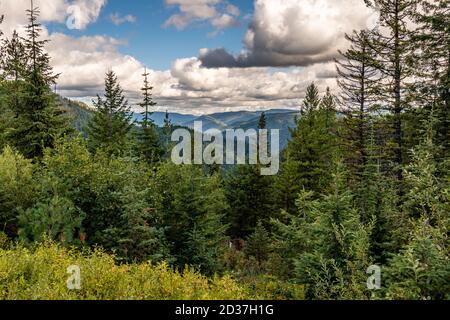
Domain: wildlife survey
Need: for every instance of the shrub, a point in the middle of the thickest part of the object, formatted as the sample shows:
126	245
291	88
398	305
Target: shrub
40	274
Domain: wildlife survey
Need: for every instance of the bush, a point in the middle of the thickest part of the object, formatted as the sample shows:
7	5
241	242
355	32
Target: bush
40	274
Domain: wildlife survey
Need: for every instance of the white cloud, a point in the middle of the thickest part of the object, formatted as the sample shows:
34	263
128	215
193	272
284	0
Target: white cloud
217	12
77	13
187	87
117	19
294	33
83	12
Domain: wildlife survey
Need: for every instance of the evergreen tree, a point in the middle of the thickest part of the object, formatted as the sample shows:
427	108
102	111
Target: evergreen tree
258	244
109	127
138	236
393	48
14	59
57	220
192	206
432	64
309	153
250	196
14	64
262	123
327	243
356	80
148	138
39	121
312	100
422	268
167	132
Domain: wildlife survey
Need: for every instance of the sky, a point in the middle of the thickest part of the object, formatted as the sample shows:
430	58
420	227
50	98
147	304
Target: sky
203	56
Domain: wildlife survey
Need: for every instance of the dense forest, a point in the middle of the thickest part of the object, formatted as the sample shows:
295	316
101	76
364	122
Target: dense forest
364	180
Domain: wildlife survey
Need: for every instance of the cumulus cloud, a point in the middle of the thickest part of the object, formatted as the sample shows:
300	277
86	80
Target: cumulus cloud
76	13
294	33
217	12
188	87
83	12
117	19
84	61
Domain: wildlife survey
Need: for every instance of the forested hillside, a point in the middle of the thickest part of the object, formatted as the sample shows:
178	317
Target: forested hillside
364	180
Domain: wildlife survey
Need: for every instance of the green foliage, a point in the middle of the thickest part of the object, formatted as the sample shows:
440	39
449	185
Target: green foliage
258	244
250	196
41	274
311	232
17	188
38	121
108	129
56	220
192	206
328	244
422	269
147	136
310	151
112	193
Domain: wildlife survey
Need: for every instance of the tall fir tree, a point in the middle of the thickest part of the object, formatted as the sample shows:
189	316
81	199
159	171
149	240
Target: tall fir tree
309	153
432	65
356	81
148	139
393	48
109	127
39	120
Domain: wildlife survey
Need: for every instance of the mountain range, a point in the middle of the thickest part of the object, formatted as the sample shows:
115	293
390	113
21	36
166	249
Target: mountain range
275	119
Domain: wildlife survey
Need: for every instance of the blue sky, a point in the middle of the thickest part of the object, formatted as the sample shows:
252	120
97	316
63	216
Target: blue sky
203	56
158	46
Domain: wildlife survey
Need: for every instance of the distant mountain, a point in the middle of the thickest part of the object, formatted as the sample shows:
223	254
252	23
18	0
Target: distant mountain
281	119
158	117
78	112
276	119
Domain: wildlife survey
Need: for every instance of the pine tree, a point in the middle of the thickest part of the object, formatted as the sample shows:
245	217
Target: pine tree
14	64
138	236
148	139
422	268
309	152
432	64
327	242
258	244
109	127
192	206
356	80
312	99
39	121
250	196
167	132
262	123
57	220
14	59
393	48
